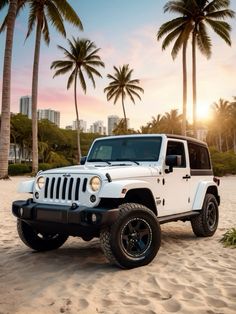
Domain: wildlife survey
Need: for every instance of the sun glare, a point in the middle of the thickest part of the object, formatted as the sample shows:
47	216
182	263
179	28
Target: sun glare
203	111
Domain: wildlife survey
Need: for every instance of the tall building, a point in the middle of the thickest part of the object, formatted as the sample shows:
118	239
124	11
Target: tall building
82	124
49	114
97	127
112	122
26	106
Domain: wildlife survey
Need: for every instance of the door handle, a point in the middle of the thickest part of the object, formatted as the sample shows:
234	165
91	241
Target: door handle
187	177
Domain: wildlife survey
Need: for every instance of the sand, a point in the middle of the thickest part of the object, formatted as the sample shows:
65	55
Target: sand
188	275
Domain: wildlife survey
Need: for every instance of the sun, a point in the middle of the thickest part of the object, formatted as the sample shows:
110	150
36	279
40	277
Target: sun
203	111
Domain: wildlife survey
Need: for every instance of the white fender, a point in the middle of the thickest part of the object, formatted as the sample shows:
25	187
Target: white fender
26	186
200	194
118	189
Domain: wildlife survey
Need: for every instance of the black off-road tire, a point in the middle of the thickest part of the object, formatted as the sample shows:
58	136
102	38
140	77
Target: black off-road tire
39	241
134	239
205	224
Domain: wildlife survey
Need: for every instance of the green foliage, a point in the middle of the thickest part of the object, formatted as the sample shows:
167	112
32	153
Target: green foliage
223	163
19	169
229	238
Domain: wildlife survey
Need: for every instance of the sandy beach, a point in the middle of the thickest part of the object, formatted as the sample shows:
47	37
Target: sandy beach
188	275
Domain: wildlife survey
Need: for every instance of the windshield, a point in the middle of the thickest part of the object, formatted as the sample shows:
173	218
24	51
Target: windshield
126	149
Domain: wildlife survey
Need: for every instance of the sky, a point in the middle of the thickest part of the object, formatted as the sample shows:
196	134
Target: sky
125	31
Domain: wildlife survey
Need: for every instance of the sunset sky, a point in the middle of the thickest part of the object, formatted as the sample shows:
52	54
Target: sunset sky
126	33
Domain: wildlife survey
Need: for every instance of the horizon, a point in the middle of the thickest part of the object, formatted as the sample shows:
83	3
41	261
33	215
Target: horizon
160	76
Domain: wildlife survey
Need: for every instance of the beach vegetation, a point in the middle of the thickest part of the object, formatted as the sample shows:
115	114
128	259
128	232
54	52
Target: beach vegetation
229	238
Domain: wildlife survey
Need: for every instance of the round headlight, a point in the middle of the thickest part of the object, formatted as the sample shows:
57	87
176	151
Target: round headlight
40	182
95	183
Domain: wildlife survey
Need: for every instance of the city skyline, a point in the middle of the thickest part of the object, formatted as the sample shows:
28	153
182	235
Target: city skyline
25	108
133	41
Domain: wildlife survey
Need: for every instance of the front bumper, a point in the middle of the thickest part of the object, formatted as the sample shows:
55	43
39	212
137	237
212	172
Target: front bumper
70	219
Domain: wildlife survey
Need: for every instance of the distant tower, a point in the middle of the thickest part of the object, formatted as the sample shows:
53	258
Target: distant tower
49	114
82	124
112	122
26	106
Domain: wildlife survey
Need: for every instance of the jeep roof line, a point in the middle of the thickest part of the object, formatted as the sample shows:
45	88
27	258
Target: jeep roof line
123	190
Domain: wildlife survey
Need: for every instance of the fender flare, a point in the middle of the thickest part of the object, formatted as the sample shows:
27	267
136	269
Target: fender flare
201	192
118	189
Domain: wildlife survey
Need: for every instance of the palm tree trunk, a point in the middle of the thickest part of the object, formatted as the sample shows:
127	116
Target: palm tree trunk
184	89
35	98
77	121
6	92
194	81
234	141
123	106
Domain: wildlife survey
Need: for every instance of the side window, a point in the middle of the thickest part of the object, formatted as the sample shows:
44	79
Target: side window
176	148
199	157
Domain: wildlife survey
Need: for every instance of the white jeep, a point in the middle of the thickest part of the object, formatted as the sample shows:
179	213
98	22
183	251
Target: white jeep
122	191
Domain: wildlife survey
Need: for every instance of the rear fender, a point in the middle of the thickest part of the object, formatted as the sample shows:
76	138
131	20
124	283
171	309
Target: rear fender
202	189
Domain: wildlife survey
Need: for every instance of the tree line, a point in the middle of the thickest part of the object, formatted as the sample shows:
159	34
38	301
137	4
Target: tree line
81	56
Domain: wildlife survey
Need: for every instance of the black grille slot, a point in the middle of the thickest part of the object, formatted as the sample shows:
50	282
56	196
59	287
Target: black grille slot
77	189
46	188
52	187
84	184
58	188
70	189
64	189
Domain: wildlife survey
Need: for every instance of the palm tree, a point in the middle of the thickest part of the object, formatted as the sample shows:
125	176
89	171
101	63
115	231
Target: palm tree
9	25
222	111
233	121
81	57
178	30
207	13
171	122
41	12
121	86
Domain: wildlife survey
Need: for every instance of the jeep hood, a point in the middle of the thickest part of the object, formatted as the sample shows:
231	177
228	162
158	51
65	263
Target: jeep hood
116	172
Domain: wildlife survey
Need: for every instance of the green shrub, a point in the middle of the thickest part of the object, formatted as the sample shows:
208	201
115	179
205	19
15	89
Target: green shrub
19	169
229	238
223	162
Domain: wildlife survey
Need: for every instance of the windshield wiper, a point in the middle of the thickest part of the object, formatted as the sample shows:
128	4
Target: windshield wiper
100	160
124	160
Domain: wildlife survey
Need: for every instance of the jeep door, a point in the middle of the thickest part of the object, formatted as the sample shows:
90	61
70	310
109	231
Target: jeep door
176	179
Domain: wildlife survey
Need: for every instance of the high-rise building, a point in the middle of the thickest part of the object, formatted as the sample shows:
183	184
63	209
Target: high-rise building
82	124
112	122
97	127
49	114
26	106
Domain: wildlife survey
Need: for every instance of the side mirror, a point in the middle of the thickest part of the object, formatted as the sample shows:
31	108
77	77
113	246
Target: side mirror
83	160
173	161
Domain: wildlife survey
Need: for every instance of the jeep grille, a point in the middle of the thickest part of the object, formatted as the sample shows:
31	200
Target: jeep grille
64	188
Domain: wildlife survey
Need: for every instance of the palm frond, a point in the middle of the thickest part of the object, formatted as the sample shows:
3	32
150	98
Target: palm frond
82	81
170	26
4	24
71	78
68	13
55	17
3	3
203	40
223	14
216	5
32	17
63	70
219	28
45	31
